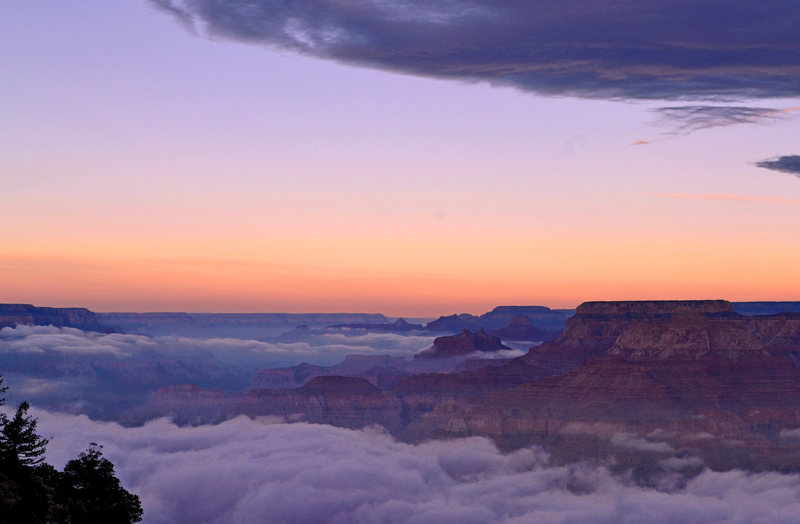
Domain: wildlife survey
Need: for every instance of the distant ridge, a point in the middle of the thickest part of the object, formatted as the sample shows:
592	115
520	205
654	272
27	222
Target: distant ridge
765	308
77	317
541	317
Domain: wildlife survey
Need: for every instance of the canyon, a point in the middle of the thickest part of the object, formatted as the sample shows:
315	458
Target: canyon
667	382
676	383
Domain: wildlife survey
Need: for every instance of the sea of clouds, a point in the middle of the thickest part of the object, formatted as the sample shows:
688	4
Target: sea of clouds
102	374
321	349
264	470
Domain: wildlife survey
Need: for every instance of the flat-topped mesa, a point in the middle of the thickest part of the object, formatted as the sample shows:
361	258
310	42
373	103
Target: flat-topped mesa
661	330
648	330
596	325
77	317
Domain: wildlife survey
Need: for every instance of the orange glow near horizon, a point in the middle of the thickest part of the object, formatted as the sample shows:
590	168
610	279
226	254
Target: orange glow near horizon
197	175
556	275
661	246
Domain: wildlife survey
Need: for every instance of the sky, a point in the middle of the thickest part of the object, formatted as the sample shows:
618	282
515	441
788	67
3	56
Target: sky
412	158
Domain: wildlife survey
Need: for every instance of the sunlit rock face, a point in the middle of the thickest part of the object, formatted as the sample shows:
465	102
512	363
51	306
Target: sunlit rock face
672	369
626	379
657	330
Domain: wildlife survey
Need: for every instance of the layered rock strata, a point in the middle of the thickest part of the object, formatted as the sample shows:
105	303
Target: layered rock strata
672	380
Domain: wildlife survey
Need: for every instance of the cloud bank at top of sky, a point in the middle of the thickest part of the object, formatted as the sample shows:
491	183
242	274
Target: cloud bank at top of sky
629	49
247	470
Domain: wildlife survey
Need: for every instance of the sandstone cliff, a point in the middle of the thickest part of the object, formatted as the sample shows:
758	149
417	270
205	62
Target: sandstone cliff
662	380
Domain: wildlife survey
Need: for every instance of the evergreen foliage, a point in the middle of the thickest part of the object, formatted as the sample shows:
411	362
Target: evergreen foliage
94	492
20	445
32	491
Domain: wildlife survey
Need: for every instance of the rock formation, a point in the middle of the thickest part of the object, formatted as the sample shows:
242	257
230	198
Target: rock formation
640	381
541	317
521	328
76	317
463	344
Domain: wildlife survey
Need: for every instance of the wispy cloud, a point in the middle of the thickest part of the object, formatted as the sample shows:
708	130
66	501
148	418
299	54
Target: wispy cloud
731	198
642	49
688	119
684	120
785	164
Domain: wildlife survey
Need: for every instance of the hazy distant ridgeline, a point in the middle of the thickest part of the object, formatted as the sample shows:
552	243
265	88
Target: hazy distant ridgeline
258	326
271	324
651	393
77	317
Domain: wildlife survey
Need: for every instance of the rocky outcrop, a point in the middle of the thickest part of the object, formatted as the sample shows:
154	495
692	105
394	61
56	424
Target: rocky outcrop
541	317
76	317
670	379
381	370
463	344
350	402
521	328
596	327
675	370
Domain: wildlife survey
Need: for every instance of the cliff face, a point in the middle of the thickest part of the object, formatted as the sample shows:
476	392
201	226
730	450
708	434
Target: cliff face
654	329
21	314
671	370
661	379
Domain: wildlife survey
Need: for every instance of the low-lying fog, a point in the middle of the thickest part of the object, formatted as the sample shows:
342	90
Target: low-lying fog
100	374
247	470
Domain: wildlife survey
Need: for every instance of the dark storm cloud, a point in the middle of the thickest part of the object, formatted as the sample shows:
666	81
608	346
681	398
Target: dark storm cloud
785	164
261	471
627	49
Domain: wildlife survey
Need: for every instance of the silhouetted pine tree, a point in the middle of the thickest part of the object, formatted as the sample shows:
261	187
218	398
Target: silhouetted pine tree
20	445
32	491
94	493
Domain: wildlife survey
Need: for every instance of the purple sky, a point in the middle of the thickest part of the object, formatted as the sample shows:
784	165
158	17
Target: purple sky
144	167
